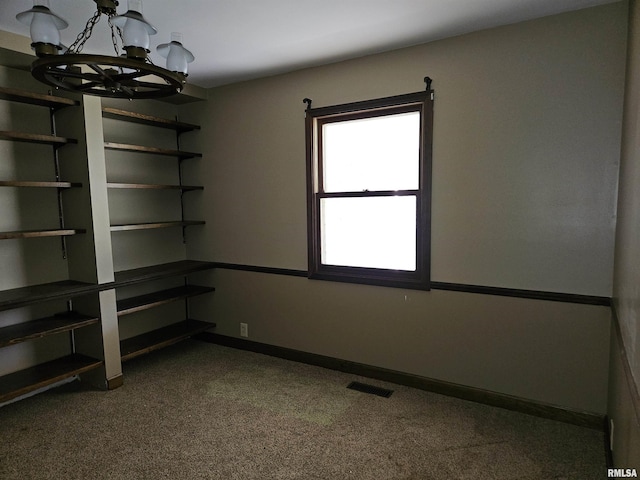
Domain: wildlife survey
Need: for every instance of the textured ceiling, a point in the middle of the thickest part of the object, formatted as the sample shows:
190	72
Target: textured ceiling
235	40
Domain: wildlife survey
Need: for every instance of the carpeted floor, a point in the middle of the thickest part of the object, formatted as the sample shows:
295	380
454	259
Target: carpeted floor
202	411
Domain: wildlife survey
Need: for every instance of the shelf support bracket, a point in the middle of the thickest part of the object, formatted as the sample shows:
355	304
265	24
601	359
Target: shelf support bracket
56	160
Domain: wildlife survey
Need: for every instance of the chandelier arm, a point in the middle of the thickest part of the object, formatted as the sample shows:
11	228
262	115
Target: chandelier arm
131	75
99	71
151	84
127	90
88	86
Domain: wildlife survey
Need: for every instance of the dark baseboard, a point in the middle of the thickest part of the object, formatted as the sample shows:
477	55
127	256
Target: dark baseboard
509	402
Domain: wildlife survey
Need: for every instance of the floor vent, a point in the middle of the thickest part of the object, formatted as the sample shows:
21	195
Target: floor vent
363	387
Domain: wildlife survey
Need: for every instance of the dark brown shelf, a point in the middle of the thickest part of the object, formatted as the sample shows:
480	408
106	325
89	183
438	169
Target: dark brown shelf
162	337
60	322
21	297
41	233
32	98
157	272
13	183
154	299
35	138
146	226
151	186
117	114
126	147
30	379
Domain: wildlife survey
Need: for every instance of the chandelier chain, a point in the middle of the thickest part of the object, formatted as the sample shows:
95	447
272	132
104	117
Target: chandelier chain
78	44
114	37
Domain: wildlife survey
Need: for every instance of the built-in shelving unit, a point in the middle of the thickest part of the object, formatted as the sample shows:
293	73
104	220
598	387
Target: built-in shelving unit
127	147
28	380
155	299
32	98
54	104
168	335
61	322
44	292
134	117
165	335
54	232
35	377
152	225
19	184
149	186
36	138
161	337
51	329
158	272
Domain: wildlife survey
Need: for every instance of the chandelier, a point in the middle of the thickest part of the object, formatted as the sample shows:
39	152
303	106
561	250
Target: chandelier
129	75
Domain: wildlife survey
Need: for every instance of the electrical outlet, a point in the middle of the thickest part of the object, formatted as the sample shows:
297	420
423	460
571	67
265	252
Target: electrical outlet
244	330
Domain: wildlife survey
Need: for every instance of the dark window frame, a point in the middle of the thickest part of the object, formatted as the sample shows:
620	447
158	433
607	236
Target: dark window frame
419	279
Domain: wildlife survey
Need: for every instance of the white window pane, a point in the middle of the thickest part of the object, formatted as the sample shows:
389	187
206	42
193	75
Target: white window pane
380	153
374	232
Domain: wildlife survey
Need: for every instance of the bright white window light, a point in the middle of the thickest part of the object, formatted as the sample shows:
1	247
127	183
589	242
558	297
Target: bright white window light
379	153
373	232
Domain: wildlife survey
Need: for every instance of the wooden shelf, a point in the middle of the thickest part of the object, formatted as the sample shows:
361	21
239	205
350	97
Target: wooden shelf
117	114
184	188
35	138
162	337
154	299
21	297
147	226
32	98
31	379
157	272
126	147
41	233
13	183
60	322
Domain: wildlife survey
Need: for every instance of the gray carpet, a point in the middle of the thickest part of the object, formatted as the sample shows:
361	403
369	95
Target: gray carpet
202	411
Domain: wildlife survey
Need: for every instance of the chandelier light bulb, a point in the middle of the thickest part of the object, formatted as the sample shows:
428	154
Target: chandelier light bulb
177	56
135	30
44	27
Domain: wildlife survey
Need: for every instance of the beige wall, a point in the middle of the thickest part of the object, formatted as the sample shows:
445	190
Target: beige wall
624	402
526	144
550	352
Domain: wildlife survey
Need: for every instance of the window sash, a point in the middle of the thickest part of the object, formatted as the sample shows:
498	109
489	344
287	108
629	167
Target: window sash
391	161
380	232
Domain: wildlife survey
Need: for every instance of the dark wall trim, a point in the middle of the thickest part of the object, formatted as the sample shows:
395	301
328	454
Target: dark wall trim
454	287
253	268
532	294
539	409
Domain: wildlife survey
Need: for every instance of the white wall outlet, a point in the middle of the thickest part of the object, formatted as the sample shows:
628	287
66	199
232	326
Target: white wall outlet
244	330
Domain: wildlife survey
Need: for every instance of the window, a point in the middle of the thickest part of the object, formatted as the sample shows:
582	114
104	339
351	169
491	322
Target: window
369	191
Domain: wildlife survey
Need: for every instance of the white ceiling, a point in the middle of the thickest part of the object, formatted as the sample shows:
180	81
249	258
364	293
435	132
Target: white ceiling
236	40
